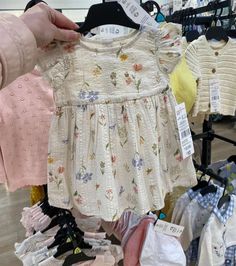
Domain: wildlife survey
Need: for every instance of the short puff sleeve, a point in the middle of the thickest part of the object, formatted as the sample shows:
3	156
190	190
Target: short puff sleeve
168	46
54	63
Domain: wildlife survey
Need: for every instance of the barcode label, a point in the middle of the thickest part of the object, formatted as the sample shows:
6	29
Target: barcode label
168	228
214	95
185	133
186	141
215	98
137	13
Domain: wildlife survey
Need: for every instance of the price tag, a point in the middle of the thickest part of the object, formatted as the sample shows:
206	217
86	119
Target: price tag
214	95
111	31
185	136
168	228
137	13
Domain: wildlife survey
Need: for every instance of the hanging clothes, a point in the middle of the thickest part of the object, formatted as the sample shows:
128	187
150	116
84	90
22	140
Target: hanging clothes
113	141
26	108
213	61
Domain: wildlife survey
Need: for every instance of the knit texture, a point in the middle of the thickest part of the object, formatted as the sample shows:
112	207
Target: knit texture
26	108
209	61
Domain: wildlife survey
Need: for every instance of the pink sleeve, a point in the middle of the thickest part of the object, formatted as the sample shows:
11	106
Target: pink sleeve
18	49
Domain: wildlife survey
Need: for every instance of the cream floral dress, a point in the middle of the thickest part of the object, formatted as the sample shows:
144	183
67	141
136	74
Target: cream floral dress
113	139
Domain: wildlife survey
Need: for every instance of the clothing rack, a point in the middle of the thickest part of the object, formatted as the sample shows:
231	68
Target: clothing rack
205	170
207	137
190	15
181	15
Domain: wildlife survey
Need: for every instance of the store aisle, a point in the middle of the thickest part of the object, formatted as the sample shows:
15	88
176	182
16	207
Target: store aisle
11	229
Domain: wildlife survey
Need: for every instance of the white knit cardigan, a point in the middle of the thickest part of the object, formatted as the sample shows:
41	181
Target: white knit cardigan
207	61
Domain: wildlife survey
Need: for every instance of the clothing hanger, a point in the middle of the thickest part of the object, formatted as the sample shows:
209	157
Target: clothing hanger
33	3
192	34
149	6
225	197
74	242
62	217
216	32
208	189
74	258
70	246
201	183
106	13
232	158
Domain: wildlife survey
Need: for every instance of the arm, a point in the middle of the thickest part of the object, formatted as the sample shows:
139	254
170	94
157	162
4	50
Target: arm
18	49
20	38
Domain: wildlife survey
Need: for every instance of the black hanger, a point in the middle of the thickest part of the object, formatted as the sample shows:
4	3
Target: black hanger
208	189
76	243
225	198
106	13
232	158
61	218
201	183
216	32
192	34
149	6
33	3
69	246
74	258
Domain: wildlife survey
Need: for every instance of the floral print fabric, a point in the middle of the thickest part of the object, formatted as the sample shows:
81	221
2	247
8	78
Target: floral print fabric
113	140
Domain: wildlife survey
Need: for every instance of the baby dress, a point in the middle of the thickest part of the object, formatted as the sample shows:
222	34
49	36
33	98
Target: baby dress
113	139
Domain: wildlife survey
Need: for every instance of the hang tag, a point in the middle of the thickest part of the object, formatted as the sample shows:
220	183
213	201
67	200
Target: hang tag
111	31
168	228
214	95
137	13
185	136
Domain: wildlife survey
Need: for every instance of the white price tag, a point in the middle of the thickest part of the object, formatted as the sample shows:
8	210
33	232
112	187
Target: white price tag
177	5
185	136
112	31
137	13
214	95
168	228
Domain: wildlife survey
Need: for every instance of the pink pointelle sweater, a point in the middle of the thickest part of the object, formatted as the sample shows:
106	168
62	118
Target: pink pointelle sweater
26	108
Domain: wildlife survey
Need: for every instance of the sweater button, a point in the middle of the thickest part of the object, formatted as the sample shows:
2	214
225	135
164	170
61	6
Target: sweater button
216	53
213	70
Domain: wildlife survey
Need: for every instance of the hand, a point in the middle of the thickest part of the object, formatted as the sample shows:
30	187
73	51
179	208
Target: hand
48	24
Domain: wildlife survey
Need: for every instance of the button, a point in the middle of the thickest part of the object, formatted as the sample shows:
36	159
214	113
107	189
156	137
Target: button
213	70
216	53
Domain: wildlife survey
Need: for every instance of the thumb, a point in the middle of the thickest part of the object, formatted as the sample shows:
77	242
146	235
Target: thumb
66	35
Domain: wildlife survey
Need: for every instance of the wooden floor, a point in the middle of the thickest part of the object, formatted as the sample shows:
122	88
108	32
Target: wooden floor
11	205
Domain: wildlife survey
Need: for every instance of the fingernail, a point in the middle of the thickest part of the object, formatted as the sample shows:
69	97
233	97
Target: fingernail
76	26
75	36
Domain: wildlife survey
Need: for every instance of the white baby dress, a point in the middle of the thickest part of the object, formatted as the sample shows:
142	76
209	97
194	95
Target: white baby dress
113	139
